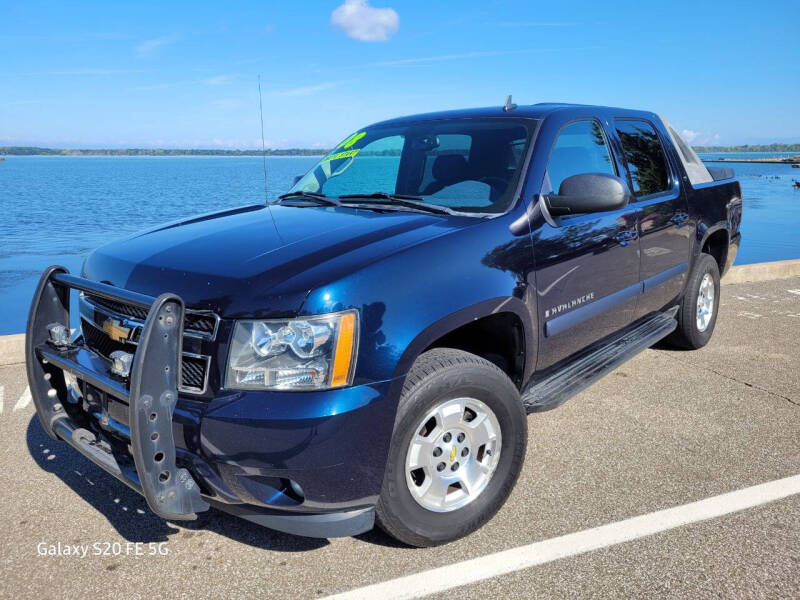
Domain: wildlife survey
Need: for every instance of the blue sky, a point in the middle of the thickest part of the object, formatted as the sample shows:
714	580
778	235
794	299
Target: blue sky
184	74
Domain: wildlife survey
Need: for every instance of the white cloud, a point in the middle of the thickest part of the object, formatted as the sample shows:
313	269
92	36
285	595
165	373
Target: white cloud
443	57
164	85
148	47
699	138
228	104
421	60
214	81
308	90
218	80
99	72
360	21
536	24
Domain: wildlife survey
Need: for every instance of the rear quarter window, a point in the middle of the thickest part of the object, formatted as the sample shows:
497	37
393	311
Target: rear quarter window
694	167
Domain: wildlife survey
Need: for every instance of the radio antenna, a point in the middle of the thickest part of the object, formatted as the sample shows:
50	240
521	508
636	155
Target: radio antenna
264	159
263	148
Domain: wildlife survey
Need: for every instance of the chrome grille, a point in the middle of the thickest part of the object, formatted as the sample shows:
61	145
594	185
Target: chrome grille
98	341
119	307
194	367
202	324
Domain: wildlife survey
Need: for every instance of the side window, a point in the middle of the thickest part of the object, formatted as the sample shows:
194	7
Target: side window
644	156
581	147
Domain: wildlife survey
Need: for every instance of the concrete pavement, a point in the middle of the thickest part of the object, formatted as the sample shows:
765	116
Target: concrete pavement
666	429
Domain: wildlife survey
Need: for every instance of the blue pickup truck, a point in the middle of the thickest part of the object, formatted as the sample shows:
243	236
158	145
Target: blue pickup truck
366	349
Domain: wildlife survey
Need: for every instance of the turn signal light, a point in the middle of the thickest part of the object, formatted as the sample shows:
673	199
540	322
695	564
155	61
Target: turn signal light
343	355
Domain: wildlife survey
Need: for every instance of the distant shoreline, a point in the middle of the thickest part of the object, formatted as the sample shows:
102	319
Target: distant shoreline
36	151
41	151
785	160
746	148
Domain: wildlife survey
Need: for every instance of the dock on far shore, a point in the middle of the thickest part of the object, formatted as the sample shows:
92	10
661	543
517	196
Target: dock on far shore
781	160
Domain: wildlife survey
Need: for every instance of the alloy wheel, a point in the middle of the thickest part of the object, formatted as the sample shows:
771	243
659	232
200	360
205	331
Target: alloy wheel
453	454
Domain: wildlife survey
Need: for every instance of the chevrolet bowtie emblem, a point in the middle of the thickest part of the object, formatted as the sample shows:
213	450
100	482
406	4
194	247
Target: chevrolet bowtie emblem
115	330
453	454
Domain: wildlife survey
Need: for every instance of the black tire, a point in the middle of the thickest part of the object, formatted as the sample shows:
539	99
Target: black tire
439	375
687	335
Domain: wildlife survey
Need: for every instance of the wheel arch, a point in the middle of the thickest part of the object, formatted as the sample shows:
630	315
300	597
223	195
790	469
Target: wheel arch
500	319
714	240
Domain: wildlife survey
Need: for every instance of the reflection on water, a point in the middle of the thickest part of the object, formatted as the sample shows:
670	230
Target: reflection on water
771	213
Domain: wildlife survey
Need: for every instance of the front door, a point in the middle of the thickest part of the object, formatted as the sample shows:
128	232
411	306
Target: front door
587	266
663	214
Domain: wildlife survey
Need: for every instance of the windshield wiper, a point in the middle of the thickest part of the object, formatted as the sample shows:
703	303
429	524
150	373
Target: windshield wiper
313	196
399	200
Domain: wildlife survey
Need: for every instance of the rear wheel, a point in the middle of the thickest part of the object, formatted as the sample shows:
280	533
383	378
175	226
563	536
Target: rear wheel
697	314
457	449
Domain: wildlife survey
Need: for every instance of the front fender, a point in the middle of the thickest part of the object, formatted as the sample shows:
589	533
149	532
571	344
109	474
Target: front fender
462	317
409	299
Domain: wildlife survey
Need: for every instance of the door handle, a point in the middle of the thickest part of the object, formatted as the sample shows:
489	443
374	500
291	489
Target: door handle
624	237
679	219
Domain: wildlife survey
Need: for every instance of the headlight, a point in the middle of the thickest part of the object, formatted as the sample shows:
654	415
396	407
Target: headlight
308	353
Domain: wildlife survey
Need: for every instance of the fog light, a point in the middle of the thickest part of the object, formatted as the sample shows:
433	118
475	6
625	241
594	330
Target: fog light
121	363
296	488
59	334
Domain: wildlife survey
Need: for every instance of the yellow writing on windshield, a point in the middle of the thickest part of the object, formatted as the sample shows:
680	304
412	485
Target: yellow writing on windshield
341	155
353	139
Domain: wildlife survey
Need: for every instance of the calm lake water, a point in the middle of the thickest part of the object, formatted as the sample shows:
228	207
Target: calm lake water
56	208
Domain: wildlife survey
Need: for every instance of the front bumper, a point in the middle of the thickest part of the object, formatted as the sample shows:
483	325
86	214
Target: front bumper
307	463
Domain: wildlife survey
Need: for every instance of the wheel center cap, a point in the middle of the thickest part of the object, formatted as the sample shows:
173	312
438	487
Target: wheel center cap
453	453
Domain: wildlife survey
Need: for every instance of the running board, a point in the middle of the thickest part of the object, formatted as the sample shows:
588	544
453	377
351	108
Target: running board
560	386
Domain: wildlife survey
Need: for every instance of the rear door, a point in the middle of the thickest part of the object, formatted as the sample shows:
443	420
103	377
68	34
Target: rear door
587	265
663	211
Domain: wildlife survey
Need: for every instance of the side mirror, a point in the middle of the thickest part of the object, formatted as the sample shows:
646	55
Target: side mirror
588	193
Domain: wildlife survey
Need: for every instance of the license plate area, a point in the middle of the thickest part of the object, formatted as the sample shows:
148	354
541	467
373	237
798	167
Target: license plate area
111	414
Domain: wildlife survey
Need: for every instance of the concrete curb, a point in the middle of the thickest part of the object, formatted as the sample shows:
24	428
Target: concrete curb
779	269
12	347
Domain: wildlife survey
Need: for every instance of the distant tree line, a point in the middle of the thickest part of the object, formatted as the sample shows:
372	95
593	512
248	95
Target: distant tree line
34	150
750	148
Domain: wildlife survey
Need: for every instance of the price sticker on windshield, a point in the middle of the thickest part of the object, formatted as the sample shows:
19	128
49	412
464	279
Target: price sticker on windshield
341	155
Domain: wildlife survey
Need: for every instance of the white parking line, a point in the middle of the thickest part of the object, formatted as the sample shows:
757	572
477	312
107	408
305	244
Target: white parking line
2	396
24	400
524	557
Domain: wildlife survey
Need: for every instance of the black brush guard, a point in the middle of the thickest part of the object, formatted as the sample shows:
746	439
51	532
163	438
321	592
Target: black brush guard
151	392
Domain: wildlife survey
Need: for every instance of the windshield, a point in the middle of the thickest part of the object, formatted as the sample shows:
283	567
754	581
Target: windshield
467	165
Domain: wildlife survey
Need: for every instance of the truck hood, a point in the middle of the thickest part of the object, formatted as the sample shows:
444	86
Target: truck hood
242	263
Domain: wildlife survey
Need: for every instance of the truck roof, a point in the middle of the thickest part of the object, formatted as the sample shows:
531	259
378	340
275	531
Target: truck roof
530	111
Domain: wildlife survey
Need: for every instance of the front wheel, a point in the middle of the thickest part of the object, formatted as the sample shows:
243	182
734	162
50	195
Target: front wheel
697	314
457	449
